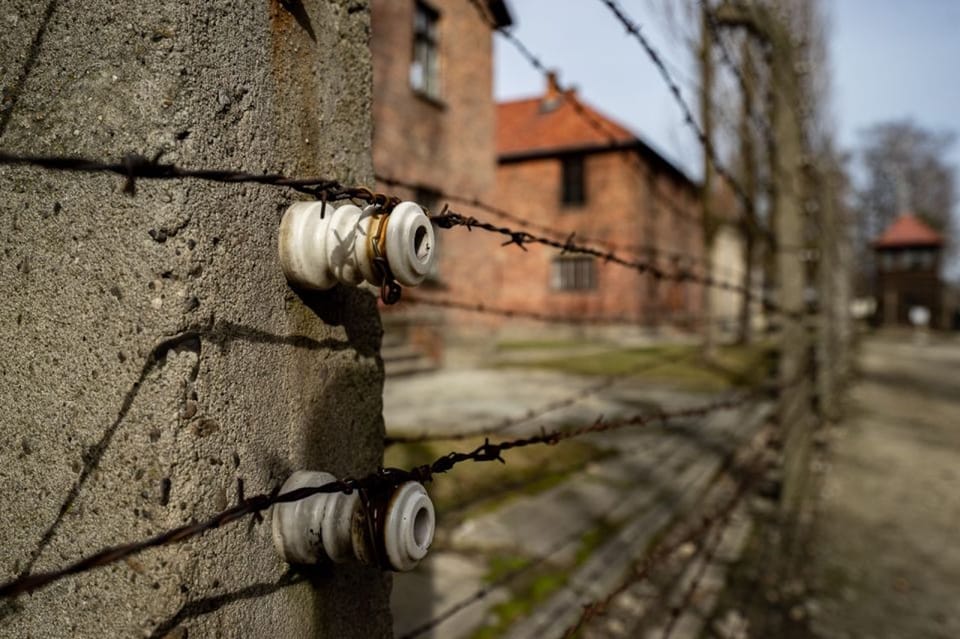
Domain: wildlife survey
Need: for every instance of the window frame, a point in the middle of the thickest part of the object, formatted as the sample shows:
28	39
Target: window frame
573	183
425	71
574	274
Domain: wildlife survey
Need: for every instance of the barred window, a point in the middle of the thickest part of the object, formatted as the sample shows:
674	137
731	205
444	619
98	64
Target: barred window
574	273
425	67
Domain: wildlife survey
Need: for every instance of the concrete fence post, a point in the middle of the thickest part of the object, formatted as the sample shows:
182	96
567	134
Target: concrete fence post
155	364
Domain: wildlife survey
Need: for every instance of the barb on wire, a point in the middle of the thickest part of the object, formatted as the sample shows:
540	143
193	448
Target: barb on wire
546	409
487	589
505	424
634	29
452	219
379	480
527	224
134	167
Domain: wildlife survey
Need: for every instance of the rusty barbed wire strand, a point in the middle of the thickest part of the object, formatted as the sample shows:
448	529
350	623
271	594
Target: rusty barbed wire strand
508	577
450	219
641	570
577	320
134	167
381	479
568	95
489	588
706	551
513	218
502	425
727	58
634	29
546	409
485	591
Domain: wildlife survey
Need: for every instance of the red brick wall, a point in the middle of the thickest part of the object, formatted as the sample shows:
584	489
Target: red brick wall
448	144
621	212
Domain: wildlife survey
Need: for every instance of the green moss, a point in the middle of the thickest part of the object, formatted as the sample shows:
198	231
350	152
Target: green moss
525	599
523	345
502	565
593	539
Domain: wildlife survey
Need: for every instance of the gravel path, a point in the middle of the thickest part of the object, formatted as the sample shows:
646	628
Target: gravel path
886	548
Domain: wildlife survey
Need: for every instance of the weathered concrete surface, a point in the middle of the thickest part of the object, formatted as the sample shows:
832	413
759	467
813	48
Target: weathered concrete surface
151	352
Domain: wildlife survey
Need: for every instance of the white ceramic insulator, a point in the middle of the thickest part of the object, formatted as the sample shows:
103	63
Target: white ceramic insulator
409	526
329	527
322	246
315	529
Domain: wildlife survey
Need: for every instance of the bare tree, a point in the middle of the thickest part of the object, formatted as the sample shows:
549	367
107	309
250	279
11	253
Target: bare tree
906	170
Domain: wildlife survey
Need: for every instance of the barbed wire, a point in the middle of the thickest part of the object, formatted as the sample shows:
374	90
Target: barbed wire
667	547
706	552
134	167
552	318
486	590
502	425
513	218
727	58
558	547
546	409
634	29
586	115
382	479
449	219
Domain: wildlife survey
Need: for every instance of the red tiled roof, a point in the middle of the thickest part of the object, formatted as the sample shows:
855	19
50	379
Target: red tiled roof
908	230
524	126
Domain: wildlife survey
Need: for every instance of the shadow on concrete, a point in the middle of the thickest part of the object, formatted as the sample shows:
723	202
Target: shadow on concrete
220	333
10	96
206	605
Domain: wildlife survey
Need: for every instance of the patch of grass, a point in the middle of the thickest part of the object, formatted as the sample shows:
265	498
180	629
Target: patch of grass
527	471
542	344
675	365
530	590
593	539
525	598
503	564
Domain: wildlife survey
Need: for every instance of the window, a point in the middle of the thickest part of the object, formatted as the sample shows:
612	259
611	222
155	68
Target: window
574	185
574	274
886	261
425	67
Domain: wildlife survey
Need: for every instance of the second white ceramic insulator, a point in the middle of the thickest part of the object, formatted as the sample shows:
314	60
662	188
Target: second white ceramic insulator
331	527
323	245
409	526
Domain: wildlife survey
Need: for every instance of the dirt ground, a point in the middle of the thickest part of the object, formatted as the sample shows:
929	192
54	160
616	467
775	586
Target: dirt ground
883	558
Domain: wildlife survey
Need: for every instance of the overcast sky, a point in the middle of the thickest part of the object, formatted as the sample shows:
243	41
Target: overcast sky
892	59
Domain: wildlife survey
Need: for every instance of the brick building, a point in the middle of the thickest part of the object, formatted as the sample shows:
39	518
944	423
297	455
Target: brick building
908	272
433	109
564	165
434	127
553	160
